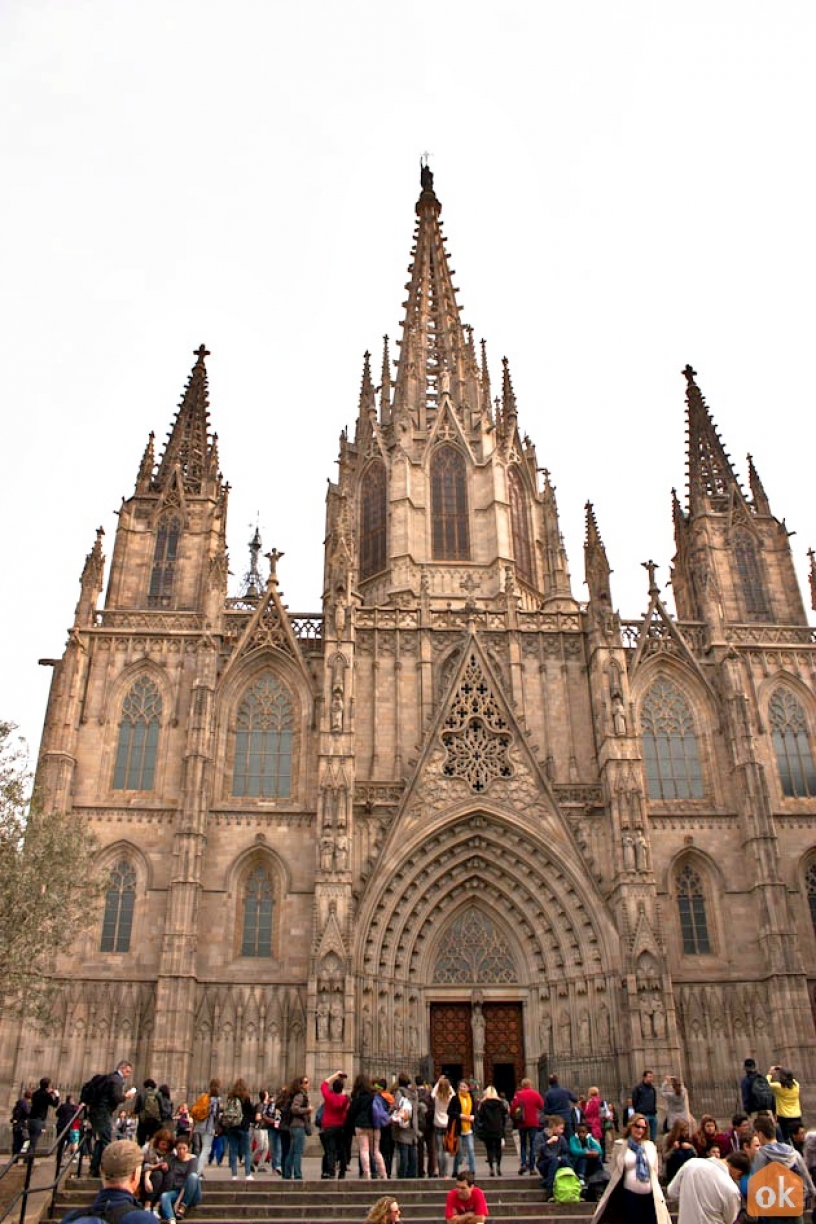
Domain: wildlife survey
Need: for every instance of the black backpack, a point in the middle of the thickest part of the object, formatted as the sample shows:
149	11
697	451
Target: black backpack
111	1214
761	1095
96	1090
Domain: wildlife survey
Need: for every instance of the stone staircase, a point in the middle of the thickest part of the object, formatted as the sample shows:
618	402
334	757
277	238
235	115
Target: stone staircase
330	1202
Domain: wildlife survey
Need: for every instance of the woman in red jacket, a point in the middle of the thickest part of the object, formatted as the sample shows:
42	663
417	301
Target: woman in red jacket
332	1136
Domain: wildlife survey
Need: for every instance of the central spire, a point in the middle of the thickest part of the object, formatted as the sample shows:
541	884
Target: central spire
435	354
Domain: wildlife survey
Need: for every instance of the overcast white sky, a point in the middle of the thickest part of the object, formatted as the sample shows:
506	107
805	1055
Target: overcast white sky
626	187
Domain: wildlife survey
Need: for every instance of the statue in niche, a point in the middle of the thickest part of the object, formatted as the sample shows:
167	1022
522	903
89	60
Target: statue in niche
604	1032
477	1026
326	853
322	1017
584	1036
564	1033
628	853
339	614
399	1029
658	1017
367	1029
618	713
413	1029
383	1028
342	852
545	1034
641	853
647	1016
337	709
336	1018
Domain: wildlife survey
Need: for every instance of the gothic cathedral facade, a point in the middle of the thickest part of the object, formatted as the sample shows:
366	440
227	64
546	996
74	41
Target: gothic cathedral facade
459	818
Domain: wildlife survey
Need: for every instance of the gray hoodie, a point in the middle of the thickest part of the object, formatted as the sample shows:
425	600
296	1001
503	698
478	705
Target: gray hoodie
785	1155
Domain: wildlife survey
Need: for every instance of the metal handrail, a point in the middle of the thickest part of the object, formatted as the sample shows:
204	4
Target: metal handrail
29	1157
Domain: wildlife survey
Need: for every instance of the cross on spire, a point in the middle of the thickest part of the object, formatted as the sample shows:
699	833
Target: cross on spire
273	558
201	352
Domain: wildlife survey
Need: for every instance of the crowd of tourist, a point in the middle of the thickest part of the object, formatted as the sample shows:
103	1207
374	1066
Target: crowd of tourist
579	1145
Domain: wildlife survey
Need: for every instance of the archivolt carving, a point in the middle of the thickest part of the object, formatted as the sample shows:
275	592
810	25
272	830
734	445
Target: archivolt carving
478	859
474	950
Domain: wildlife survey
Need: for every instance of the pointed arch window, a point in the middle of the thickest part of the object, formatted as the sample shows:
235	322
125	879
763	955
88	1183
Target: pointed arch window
135	765
258	912
810	882
263	741
750	577
520	524
165	555
120	900
794	760
670	744
692	911
449	506
373	520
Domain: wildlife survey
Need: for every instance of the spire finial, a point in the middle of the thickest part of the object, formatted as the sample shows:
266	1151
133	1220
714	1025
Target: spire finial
651	566
188	444
201	352
425	173
273	558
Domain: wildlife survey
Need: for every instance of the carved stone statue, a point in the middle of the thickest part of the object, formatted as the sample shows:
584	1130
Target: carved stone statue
641	853
326	853
342	852
628	853
584	1036
367	1029
322	1016
383	1029
337	709
658	1017
618	714
336	1018
545	1034
564	1033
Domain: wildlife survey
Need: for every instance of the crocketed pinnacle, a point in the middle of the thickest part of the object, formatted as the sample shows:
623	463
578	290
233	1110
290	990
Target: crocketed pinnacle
758	494
188	444
434	345
147	465
710	474
509	412
596	564
812	578
385	384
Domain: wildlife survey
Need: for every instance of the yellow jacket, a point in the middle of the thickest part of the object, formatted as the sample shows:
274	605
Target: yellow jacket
787	1099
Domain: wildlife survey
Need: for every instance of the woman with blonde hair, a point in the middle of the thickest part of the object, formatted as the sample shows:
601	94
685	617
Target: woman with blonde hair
490	1115
385	1211
633	1194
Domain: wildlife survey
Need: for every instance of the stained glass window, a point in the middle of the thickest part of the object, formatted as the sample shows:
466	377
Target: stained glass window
165	555
691	905
750	576
373	515
256	939
263	741
135	765
120	899
811	892
474	951
449	505
670	744
520	524
792	745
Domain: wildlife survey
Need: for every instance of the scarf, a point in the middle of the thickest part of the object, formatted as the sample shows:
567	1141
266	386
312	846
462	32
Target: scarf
641	1163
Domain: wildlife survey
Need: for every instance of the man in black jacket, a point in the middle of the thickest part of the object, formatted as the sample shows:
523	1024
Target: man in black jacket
644	1100
108	1096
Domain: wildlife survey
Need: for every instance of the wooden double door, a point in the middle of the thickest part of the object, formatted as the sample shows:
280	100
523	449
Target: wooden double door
452	1044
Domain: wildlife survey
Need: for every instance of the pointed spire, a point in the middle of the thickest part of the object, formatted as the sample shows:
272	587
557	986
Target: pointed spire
252	586
146	466
758	494
487	406
812	578
596	565
91	582
187	443
710	473
366	387
433	337
509	411
385	385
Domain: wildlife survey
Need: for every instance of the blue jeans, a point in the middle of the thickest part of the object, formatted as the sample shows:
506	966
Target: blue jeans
527	1137
652	1120
238	1141
407	1160
297	1142
275	1149
466	1148
190	1197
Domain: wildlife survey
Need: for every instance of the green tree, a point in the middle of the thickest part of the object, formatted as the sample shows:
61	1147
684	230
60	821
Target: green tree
49	884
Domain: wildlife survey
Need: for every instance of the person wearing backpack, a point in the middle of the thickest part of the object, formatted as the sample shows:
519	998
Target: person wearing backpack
205	1112
103	1094
115	1203
360	1116
300	1125
757	1095
406	1125
147	1108
236	1119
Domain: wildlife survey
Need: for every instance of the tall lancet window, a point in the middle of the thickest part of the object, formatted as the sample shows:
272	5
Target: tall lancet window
263	741
692	912
256	933
670	744
750	577
520	523
792	745
449	505
165	555
135	765
373	516
120	900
